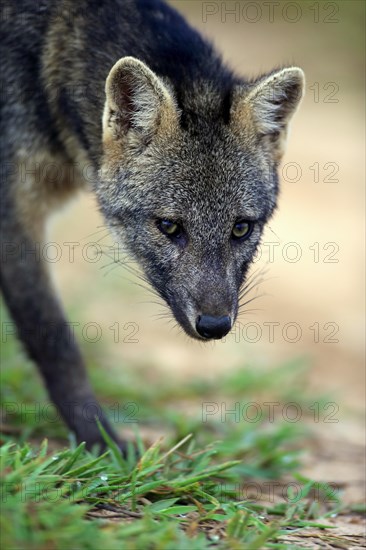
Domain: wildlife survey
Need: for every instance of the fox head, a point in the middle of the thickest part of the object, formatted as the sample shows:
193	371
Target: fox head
187	186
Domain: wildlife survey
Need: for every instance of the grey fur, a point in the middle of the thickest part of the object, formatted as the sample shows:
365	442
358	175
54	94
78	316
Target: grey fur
167	138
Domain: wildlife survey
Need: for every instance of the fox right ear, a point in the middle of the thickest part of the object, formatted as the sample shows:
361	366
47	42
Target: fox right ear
267	107
138	104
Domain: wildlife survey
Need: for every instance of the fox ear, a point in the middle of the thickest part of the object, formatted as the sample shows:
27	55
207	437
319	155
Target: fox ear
269	106
138	103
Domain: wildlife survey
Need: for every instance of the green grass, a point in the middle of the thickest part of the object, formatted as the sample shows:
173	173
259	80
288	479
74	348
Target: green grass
164	500
191	489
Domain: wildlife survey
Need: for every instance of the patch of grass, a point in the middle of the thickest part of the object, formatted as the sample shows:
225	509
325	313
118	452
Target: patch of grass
233	484
167	499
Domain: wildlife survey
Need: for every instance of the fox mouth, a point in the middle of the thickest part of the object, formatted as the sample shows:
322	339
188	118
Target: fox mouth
201	326
212	321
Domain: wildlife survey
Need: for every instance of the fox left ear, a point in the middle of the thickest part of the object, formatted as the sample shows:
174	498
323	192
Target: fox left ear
138	105
268	106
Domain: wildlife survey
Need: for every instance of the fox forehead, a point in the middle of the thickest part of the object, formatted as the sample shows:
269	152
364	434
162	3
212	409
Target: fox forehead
222	183
192	201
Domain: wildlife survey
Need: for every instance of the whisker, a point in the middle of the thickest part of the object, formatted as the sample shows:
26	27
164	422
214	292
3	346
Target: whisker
255	276
274	233
246	290
254	298
241	311
100	228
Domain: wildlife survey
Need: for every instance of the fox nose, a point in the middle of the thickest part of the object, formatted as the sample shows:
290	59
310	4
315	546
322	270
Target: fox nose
208	326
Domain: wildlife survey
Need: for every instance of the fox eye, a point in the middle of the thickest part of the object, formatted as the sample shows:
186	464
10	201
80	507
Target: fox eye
170	228
242	230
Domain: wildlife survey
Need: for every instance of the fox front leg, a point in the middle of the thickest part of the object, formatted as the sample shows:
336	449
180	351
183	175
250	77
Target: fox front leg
43	329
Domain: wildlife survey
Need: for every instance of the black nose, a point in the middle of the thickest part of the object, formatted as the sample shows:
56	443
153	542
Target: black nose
213	327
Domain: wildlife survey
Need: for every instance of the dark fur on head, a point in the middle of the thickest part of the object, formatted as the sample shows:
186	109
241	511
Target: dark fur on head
183	144
205	164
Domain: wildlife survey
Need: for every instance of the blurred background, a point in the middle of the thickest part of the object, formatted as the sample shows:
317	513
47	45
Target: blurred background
302	341
313	249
